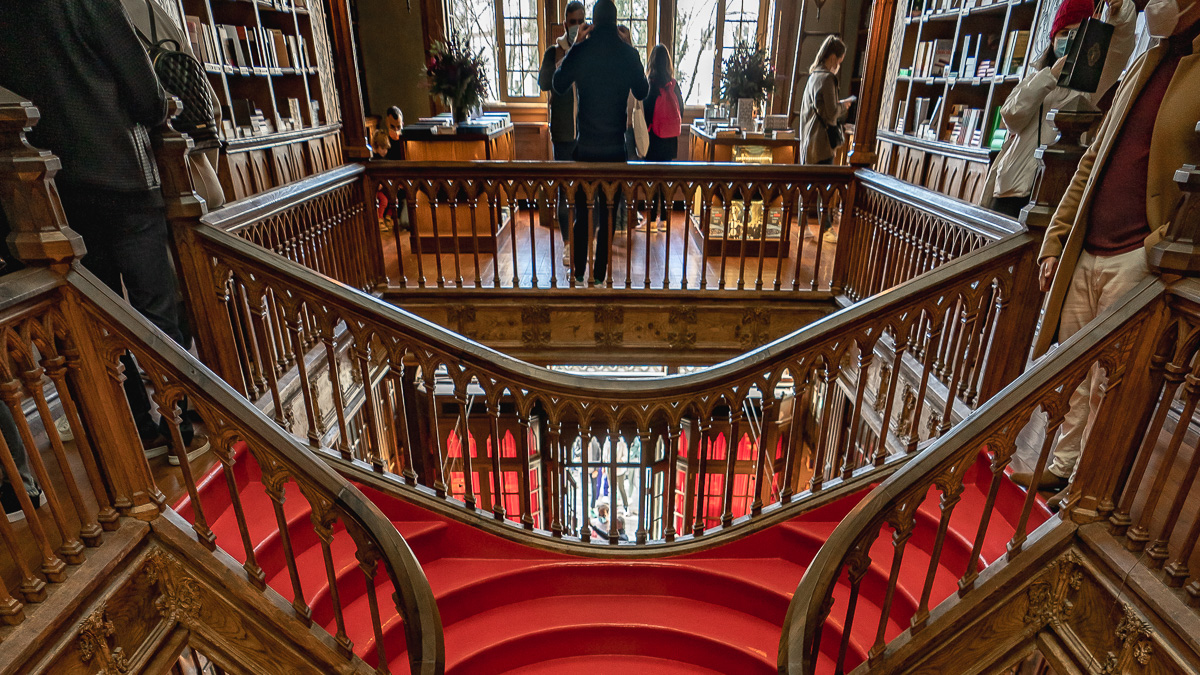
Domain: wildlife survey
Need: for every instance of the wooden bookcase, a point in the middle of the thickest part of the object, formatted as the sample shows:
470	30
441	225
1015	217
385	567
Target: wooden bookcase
940	151
271	67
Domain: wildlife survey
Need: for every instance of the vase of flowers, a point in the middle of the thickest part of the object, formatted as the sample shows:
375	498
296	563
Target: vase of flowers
747	77
456	76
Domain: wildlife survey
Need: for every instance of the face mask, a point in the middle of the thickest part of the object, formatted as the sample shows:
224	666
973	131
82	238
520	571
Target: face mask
1060	46
571	33
1161	17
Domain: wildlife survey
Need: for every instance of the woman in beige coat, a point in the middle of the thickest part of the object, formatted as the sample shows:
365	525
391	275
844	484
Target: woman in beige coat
820	108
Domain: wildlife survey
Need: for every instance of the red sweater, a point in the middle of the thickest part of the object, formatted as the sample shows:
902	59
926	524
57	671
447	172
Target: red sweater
1117	221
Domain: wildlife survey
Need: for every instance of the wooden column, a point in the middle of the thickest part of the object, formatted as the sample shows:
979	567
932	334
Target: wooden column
1057	163
870	96
1179	251
38	226
197	276
345	70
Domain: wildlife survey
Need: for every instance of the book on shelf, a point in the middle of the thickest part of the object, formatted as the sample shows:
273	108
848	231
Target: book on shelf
1018	42
943	54
901	113
964	56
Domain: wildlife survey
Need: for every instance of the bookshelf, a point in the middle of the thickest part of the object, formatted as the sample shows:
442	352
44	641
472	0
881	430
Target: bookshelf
269	62
953	64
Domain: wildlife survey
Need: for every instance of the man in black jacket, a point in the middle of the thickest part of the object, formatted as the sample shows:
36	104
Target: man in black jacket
81	64
562	106
604	70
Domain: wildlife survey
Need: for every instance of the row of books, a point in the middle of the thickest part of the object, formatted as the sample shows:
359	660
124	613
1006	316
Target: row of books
924	112
933	58
247	48
1015	47
281	5
242	118
965	126
919	7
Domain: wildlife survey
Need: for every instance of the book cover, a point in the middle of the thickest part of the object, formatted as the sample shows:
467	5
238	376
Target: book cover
1086	55
943	53
964	56
1018	42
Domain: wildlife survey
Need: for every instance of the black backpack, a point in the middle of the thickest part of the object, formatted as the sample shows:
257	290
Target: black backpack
180	74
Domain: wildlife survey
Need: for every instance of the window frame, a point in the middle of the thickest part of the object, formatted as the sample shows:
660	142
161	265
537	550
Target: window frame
764	8
502	73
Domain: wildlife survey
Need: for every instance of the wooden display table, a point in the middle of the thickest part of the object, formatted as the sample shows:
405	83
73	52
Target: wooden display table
756	148
729	226
477	228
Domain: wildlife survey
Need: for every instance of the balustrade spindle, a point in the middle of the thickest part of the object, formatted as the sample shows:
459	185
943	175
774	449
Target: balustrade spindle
821	467
704	449
169	411
1056	411
950	498
585	482
674	435
58	367
902	532
1002	451
856	569
526	495
732	444
1168	377
32	588
497	477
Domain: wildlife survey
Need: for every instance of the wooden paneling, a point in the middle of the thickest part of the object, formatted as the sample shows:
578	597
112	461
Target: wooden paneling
973	182
934	172
532	141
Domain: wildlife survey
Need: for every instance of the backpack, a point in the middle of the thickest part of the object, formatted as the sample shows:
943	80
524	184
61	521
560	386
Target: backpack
668	119
180	74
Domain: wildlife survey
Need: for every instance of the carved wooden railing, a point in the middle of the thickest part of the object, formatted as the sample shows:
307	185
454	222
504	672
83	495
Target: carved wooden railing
1119	344
64	334
422	405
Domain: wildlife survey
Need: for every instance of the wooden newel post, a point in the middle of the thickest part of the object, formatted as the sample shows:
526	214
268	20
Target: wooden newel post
870	97
1179	250
38	226
197	275
1057	163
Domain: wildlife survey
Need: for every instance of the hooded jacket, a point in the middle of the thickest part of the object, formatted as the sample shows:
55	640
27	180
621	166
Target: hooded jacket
1024	111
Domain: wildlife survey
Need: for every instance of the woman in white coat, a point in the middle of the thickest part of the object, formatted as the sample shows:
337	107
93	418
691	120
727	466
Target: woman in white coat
1024	111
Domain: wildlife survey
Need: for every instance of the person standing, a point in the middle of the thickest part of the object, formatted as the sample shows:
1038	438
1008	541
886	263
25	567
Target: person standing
562	109
1119	205
821	112
603	70
663	109
1024	111
81	64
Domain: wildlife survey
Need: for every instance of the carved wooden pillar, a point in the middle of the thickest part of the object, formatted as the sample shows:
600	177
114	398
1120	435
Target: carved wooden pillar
1057	163
1179	250
870	96
38	226
345	70
197	276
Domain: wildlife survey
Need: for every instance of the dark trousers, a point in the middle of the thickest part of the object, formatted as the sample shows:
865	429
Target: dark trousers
563	152
600	221
127	247
661	150
1010	206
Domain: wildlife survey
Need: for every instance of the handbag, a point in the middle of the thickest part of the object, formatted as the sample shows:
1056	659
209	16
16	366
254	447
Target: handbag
836	137
181	75
641	134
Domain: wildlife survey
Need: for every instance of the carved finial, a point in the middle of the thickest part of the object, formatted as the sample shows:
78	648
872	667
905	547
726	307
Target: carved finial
38	225
1057	161
1179	250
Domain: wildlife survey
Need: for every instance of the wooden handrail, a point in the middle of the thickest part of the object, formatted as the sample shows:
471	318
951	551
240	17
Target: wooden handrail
411	364
990	432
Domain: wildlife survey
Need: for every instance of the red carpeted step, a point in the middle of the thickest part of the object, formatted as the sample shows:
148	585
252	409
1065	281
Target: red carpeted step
618	663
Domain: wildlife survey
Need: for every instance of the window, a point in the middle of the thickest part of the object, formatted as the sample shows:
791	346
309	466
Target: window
700	47
513	36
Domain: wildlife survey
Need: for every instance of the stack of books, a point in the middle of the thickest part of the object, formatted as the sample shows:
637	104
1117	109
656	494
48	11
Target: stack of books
247	49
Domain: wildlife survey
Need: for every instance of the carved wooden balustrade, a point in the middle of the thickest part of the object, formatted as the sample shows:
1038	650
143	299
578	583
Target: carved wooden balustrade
422	405
63	334
1120	344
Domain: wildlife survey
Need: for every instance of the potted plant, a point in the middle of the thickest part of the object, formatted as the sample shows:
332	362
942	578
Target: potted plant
747	78
456	76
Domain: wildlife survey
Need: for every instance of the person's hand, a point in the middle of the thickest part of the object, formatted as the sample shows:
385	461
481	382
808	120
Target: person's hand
584	31
623	32
1049	267
1057	68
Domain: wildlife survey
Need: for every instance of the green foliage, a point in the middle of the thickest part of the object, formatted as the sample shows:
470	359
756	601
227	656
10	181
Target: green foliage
747	73
455	75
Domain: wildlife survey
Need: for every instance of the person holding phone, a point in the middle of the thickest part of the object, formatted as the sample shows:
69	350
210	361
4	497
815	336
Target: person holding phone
1024	111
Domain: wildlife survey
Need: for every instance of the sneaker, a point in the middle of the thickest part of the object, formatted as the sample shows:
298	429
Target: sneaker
197	447
155	446
1049	481
566	259
12	505
64	430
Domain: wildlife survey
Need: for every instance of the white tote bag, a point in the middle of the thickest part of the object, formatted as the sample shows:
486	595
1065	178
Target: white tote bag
641	135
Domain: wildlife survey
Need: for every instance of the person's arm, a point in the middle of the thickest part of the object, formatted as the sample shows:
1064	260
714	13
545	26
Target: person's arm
828	108
638	83
546	74
567	71
1122	14
116	43
1023	104
648	106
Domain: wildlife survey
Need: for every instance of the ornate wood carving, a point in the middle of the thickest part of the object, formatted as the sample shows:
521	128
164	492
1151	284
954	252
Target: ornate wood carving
1050	598
756	322
536	326
609	325
1137	644
179	593
681	321
95	644
458	317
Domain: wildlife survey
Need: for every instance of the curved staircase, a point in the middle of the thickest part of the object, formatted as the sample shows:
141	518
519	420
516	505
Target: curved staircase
509	607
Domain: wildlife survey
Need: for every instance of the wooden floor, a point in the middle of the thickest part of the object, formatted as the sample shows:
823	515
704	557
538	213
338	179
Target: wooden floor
641	258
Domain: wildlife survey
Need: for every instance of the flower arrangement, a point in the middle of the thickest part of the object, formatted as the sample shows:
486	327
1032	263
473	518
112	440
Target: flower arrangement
747	73
456	76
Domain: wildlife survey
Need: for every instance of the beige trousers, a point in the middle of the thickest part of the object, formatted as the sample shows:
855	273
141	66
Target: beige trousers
1097	283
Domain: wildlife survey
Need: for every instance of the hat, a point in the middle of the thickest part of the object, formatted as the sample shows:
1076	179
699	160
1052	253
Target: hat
1069	12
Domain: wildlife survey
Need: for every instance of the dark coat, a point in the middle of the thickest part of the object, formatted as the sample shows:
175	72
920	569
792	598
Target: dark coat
604	71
